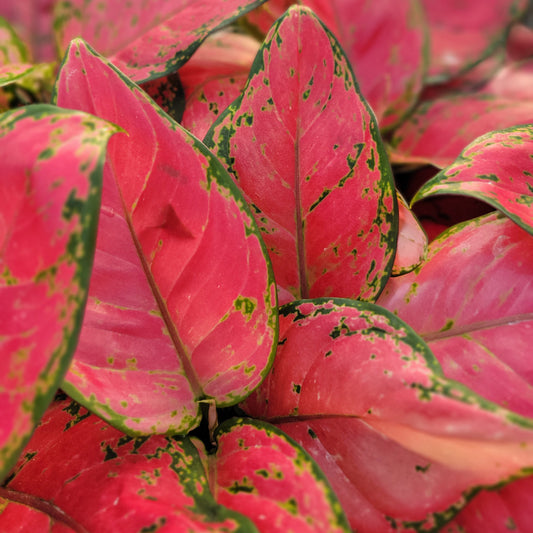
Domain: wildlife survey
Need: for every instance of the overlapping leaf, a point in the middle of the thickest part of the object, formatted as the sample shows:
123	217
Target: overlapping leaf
365	396
472	301
462	37
506	509
305	149
214	78
412	244
49	200
257	476
385	45
146	39
433	134
496	168
182	302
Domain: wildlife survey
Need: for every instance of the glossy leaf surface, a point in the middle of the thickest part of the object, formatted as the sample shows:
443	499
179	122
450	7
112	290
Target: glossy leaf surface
352	369
182	301
214	78
384	42
49	200
305	149
412	244
104	480
154	37
461	35
496	168
506	509
263	474
472	301
258	475
434	135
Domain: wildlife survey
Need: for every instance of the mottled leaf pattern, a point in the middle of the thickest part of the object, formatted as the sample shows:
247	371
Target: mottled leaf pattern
433	135
496	168
304	147
506	509
104	480
263	474
175	313
353	369
49	200
472	300
463	34
214	77
257	475
154	38
384	42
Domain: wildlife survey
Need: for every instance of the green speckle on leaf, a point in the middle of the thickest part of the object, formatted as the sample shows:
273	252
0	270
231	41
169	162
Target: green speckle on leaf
296	388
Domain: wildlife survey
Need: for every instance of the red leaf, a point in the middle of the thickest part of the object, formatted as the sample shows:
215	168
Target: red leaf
305	149
412	241
32	20
169	484
433	134
463	34
352	369
176	313
477	283
214	77
264	475
507	509
496	168
146	39
384	42
49	199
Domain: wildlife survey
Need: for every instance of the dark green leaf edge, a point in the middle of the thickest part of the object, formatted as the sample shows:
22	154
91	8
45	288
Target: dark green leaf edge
218	176
454	188
386	183
82	247
303	457
441	385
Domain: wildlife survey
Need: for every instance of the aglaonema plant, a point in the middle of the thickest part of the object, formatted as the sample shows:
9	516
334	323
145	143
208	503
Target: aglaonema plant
393	388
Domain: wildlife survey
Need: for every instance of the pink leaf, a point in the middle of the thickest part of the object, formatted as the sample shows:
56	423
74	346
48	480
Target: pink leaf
496	168
472	301
146	39
170	483
384	422
462	35
182	302
305	149
433	135
384	42
214	77
412	244
49	200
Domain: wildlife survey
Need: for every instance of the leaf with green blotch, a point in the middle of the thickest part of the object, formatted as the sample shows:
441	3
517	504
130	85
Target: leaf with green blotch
146	39
102	480
433	135
362	392
182	303
386	47
263	474
214	77
506	509
49	200
461	38
496	168
472	301
305	149
258	479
